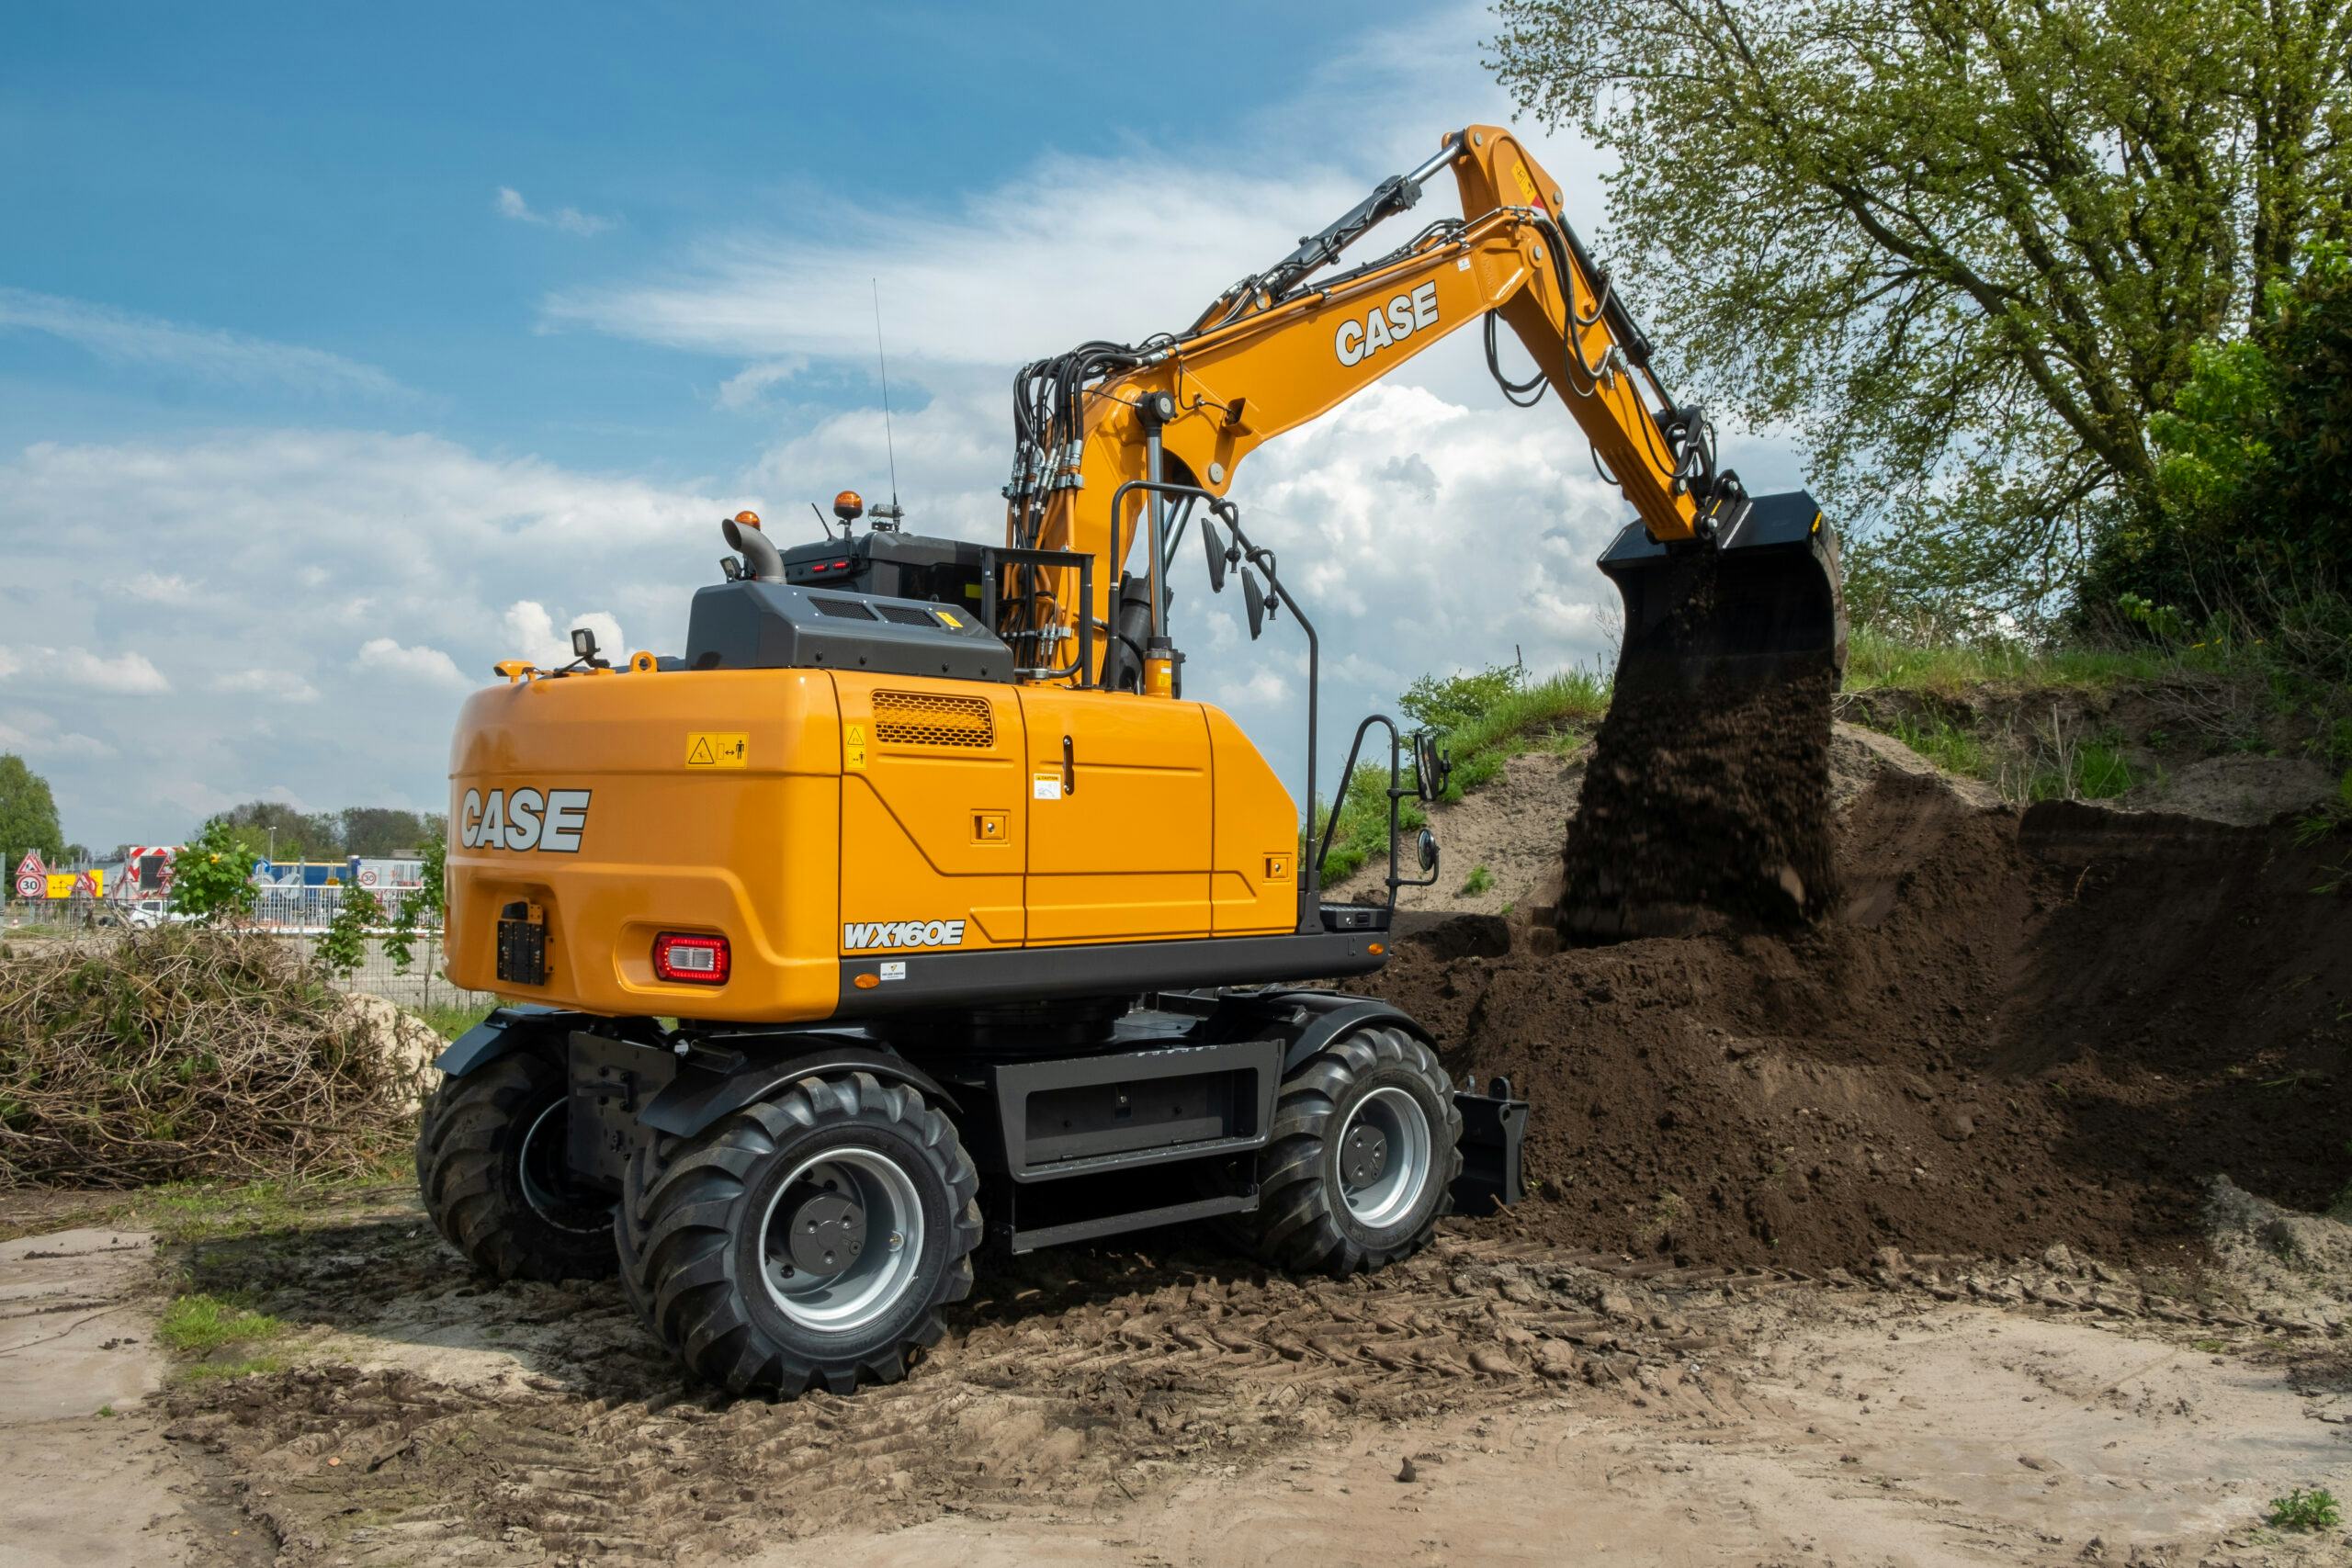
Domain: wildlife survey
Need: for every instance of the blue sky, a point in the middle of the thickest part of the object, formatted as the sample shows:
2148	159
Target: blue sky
343	350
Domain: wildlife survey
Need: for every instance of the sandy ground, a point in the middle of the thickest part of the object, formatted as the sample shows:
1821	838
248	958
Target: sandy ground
1175	1407
77	1337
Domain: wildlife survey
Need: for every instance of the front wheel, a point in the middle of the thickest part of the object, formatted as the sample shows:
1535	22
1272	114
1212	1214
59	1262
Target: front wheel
810	1237
1365	1149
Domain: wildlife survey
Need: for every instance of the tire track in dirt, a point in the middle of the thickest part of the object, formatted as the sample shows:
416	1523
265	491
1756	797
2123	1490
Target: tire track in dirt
1072	1382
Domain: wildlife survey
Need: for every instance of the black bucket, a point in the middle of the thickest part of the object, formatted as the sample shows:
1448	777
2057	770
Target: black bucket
1706	796
1766	593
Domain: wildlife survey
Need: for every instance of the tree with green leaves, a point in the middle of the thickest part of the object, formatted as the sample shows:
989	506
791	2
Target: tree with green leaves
343	947
1965	249
28	814
407	925
283	832
436	859
381	831
212	876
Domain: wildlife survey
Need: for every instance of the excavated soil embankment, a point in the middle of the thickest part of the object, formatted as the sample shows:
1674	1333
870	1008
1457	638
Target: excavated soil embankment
2018	1029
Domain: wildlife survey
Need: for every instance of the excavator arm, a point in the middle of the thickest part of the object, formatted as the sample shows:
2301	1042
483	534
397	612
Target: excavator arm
1108	433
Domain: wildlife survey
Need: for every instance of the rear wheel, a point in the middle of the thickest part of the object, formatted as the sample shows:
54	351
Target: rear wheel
808	1238
1366	1146
492	1161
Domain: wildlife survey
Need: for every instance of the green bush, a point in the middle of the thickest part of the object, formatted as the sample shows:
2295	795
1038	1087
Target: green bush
343	947
1452	701
2253	467
212	876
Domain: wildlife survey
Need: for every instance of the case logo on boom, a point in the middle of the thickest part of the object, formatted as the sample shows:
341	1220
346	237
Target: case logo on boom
902	933
1394	322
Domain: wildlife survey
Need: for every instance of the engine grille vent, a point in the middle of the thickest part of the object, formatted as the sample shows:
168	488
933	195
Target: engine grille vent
905	615
841	609
921	718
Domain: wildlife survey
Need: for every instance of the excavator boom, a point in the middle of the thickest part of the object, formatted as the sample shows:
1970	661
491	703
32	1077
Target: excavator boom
1107	433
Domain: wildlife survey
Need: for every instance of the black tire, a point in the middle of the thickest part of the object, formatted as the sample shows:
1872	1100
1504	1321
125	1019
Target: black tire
1304	1222
696	1237
490	1161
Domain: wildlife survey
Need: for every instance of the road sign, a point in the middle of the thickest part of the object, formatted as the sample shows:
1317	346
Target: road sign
92	883
30	865
368	876
31	887
60	884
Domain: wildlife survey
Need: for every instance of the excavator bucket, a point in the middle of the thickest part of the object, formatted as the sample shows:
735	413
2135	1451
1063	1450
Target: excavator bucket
1766	598
1707	794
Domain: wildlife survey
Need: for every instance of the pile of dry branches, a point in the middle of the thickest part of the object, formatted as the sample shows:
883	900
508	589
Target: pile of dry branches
184	1052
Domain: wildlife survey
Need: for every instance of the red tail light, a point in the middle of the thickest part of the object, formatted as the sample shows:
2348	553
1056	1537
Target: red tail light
691	960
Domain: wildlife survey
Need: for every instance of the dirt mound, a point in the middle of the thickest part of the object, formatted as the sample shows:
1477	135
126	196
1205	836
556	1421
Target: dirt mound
1703	800
2016	1031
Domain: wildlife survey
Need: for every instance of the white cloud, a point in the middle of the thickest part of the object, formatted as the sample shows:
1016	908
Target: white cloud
531	634
123	338
299	547
79	669
1097	245
745	387
161	590
419	663
277	685
570	220
35	735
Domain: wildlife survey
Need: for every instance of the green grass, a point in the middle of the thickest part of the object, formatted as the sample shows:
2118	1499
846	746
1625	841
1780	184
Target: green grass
1480	880
1548	715
452	1021
1942	742
1876	658
2100	772
198	1326
2302	1509
183	1212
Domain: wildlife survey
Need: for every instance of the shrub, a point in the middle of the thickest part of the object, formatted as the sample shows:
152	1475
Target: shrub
1452	701
343	947
212	877
2315	1509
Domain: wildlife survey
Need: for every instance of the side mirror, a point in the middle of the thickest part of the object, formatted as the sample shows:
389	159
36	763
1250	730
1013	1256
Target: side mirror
1426	848
1214	543
1254	600
1431	766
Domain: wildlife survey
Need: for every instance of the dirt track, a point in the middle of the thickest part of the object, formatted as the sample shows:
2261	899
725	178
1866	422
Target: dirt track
1699	1343
1170	1406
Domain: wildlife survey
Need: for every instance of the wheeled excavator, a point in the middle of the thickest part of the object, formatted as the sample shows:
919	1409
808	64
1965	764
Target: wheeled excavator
912	905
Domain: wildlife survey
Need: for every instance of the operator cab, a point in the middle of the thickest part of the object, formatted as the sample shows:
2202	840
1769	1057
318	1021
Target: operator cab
886	562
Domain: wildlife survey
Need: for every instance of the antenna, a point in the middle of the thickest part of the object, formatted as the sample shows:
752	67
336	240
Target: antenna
889	443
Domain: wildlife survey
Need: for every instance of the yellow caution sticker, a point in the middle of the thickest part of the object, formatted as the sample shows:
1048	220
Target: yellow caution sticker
718	749
1526	184
854	748
949	616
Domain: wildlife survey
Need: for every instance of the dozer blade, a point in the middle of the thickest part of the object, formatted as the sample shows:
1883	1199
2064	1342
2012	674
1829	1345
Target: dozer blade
1706	798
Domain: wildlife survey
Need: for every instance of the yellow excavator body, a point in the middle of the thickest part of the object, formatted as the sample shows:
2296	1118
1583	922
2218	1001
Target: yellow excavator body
829	824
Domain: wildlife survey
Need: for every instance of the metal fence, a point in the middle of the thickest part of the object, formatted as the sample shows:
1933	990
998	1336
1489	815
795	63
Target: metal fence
418	985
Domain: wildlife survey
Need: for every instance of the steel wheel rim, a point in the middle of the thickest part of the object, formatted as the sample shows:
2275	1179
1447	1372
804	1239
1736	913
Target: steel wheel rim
1398	1120
875	1281
542	1163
